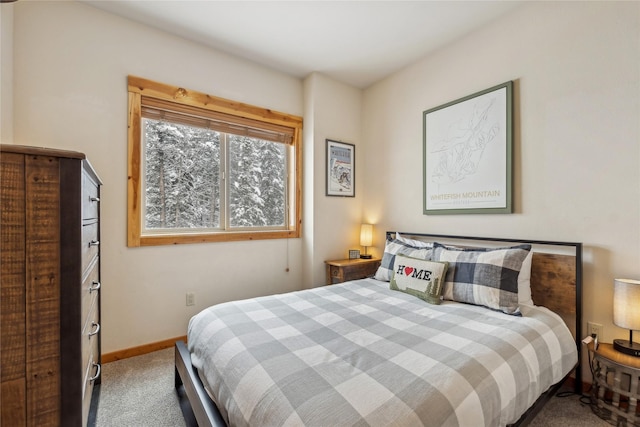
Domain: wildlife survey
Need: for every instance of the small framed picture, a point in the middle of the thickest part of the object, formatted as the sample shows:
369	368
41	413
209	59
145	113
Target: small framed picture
354	253
341	169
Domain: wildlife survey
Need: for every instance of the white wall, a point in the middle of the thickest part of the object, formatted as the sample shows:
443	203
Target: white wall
71	66
576	69
334	110
6	73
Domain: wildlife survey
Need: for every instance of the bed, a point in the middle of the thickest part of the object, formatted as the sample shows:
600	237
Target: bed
376	351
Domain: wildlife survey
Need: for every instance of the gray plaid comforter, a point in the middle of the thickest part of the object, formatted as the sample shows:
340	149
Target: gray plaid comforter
361	354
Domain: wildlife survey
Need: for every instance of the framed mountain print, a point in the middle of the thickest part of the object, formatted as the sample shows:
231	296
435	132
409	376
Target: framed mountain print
468	143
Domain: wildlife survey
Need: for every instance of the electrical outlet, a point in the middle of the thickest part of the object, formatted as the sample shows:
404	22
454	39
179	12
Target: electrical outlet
191	298
594	328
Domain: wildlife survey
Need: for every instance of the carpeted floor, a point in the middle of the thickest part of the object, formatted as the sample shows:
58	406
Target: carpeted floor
139	392
567	412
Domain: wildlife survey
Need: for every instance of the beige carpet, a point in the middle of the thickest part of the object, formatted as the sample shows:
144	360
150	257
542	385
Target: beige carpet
139	392
567	412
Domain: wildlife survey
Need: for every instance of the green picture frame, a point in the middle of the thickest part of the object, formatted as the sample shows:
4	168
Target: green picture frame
467	154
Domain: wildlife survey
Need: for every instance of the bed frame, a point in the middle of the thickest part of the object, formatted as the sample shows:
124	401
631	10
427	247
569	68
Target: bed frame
556	283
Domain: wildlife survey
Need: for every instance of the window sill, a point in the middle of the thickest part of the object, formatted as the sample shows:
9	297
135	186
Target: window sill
179	239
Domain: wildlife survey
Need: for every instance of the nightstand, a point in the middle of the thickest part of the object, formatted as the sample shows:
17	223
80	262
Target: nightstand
342	270
615	390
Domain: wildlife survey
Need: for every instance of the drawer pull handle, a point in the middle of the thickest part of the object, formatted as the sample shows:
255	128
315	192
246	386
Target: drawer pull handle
96	329
94	243
94	286
95	377
94	199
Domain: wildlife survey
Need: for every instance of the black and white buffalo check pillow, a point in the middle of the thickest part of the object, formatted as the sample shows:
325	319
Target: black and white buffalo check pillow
483	276
393	247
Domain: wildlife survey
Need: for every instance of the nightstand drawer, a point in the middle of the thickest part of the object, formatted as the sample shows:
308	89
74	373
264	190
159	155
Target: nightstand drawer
351	269
337	274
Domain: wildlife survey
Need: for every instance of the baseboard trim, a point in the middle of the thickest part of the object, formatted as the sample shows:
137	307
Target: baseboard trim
141	349
586	386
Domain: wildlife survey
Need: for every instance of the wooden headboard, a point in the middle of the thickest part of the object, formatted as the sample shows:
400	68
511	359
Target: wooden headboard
556	276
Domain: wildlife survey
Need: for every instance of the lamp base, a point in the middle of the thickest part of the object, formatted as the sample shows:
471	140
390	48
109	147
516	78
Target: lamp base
627	347
365	256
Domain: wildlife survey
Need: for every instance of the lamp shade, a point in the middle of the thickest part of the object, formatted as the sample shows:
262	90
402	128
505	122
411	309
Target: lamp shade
626	303
366	235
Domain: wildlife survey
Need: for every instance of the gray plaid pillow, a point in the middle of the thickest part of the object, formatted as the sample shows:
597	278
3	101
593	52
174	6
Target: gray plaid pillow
393	247
483	276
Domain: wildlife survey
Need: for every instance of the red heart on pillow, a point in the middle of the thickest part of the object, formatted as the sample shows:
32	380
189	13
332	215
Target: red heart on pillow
408	271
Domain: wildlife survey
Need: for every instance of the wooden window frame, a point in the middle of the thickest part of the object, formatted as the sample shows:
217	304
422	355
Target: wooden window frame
184	99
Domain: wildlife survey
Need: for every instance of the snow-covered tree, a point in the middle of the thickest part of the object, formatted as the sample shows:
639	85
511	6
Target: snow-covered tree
183	176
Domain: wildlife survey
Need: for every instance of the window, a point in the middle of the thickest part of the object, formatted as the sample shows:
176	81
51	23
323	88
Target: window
204	169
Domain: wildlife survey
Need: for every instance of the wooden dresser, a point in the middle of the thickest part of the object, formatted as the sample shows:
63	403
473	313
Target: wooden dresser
50	287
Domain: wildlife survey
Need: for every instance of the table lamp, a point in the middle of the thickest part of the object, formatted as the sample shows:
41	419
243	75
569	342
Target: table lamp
366	239
626	313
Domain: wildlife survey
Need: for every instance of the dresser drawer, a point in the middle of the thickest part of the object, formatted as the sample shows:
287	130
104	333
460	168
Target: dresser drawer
90	334
90	289
91	374
90	198
91	371
90	244
86	402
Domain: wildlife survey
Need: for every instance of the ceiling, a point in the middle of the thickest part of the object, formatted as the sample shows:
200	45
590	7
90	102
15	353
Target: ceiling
355	42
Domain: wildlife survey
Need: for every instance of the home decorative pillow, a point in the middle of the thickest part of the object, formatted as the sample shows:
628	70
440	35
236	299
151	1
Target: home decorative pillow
419	277
391	249
485	276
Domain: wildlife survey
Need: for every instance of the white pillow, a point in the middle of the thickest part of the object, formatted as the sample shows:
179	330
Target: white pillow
413	242
524	281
